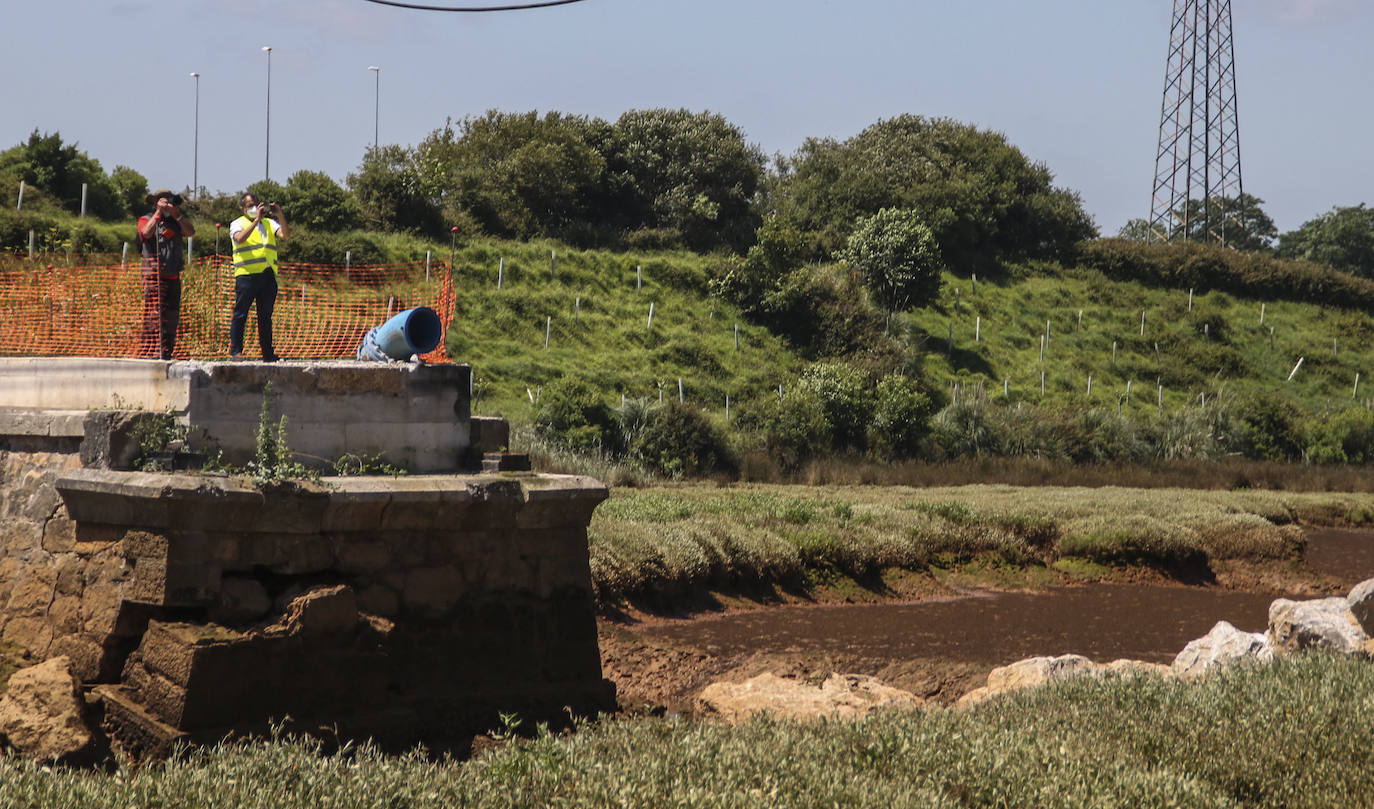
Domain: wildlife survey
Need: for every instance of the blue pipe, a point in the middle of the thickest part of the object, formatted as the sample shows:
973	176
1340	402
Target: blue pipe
414	331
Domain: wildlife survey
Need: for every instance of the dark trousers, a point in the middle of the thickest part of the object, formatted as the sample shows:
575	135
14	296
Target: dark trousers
161	315
259	288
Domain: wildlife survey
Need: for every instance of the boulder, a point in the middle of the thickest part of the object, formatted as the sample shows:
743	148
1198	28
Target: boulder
1222	646
1324	623
323	611
841	696
42	714
1361	605
1135	668
241	601
1028	673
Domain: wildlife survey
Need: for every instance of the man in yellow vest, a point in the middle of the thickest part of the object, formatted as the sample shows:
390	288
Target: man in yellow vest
254	236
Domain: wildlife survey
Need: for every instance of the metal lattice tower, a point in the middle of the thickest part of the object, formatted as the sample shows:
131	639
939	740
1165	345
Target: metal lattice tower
1197	167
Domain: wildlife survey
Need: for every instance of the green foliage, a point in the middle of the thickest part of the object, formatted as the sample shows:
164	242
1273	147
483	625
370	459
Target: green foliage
1205	266
980	196
896	253
519	175
901	417
1268	427
314	200
572	413
1239	223
794	427
45	162
689	172
132	190
1342	239
846	399
273	461
390	191
679	440
1345	437
153	432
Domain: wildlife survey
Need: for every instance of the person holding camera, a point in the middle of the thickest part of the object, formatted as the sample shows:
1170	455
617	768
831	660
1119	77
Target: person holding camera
160	242
254	236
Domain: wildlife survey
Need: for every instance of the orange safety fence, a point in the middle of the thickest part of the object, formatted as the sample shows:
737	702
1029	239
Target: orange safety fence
100	310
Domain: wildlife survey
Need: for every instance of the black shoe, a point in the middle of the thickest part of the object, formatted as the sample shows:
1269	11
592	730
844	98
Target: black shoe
236	356
270	358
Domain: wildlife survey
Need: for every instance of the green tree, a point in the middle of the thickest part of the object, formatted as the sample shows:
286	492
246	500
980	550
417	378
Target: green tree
391	195
131	188
897	255
60	169
1243	223
518	174
1342	239
846	400
690	172
980	196
1136	230
314	200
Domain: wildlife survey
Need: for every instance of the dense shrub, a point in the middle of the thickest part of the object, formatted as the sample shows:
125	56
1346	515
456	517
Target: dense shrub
794	427
1268	427
901	417
1210	267
846	400
679	440
1346	437
895	252
316	247
571	413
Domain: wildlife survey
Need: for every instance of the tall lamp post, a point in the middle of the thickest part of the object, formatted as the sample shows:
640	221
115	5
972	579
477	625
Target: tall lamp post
195	165
376	105
267	151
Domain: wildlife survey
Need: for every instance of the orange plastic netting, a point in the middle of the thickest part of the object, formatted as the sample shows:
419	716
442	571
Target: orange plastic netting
322	310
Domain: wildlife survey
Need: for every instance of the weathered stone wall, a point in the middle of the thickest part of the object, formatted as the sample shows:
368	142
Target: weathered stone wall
409	608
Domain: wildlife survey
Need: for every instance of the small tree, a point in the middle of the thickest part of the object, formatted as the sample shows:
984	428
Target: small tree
896	252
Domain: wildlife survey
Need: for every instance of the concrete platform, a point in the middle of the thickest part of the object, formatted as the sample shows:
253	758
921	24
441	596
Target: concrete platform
411	415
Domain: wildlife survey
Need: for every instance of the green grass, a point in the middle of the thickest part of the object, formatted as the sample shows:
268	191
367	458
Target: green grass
674	540
1292	734
1219	345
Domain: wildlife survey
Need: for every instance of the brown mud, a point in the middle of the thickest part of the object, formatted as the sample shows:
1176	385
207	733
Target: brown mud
939	639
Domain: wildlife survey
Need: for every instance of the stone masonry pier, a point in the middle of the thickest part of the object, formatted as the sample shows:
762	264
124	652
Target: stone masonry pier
409	608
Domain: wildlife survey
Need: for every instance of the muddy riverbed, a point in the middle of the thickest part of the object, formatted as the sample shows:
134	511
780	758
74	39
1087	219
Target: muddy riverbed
942	647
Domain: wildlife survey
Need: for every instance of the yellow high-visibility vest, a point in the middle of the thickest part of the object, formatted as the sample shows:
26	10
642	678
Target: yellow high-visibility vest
256	255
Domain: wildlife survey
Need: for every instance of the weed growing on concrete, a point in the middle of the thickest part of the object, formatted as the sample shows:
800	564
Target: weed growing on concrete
351	463
273	462
157	433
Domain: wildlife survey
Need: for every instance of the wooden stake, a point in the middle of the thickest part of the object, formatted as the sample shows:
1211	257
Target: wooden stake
651	314
501	273
1294	372
548	327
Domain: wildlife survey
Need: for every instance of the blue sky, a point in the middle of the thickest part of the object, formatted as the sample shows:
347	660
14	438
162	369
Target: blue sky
1076	84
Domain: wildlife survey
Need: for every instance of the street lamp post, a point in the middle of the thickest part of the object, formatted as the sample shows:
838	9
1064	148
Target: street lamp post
267	151
195	165
376	105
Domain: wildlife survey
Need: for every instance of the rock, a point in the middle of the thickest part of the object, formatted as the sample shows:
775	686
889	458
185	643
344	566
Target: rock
841	696
42	713
1028	673
324	611
1361	605
1222	646
1324	623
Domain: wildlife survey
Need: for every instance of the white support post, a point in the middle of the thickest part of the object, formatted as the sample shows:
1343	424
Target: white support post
737	337
501	272
1294	372
680	397
20	206
124	257
427	254
978	330
84	190
548	327
1190	300
639	277
1142	322
651	315
577	310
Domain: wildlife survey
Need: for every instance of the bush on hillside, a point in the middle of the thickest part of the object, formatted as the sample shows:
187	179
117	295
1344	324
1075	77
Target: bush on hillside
901	418
846	399
1210	267
679	441
1268	427
572	414
1346	437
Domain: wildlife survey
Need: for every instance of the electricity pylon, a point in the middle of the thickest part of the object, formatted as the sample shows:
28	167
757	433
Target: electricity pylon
1197	168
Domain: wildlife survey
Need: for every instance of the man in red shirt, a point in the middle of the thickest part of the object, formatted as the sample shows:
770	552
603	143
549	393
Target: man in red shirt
161	236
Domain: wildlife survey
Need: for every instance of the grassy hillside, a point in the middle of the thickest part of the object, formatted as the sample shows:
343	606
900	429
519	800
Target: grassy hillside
595	308
1219	344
